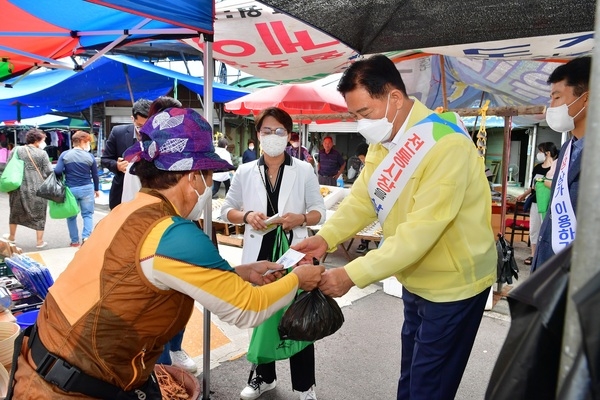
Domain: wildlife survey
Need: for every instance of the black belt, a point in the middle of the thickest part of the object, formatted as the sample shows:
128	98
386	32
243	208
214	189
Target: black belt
67	377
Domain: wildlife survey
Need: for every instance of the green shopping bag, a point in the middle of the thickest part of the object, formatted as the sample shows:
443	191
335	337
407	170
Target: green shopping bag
542	196
66	209
265	344
12	176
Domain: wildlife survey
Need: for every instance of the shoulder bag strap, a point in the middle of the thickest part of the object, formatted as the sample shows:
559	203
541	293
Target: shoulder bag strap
33	162
15	360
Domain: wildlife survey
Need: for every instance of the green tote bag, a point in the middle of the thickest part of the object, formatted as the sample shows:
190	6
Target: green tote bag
265	344
12	176
66	209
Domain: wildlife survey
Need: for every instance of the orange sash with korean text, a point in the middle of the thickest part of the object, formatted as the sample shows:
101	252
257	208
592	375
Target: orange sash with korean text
392	174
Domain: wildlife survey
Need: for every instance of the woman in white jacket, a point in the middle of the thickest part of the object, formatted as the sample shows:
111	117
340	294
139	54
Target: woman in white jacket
275	184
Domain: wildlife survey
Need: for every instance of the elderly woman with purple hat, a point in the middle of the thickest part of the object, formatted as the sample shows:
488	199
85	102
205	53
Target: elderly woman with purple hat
133	285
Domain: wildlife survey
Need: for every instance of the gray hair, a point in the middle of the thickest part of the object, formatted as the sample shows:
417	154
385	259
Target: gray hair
141	108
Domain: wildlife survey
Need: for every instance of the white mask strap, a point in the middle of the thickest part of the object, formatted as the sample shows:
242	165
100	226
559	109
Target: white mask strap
191	174
575	101
387	107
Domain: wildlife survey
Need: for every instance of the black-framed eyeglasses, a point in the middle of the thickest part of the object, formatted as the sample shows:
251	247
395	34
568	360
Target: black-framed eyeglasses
265	131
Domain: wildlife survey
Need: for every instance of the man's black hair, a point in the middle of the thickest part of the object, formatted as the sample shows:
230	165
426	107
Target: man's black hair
361	149
576	73
141	108
377	74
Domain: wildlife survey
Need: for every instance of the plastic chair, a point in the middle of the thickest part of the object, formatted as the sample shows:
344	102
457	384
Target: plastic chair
518	224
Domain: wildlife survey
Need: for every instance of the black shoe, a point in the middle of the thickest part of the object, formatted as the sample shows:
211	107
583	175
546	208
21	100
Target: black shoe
256	387
362	248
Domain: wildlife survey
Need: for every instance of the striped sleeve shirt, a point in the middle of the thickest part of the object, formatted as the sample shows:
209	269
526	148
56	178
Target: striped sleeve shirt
177	255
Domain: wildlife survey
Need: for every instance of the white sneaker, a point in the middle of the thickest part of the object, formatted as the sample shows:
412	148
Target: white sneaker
309	394
181	359
256	387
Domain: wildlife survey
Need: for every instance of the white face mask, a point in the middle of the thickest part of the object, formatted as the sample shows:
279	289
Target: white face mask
295	145
87	147
273	145
377	130
42	145
558	118
196	212
540	157
251	147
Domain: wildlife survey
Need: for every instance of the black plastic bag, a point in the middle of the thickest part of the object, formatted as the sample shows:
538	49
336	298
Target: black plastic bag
507	266
312	316
52	189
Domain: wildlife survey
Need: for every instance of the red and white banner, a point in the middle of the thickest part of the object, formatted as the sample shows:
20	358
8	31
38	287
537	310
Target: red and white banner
260	41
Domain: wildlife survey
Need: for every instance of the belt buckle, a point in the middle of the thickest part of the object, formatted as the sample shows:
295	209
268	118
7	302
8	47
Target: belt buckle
60	373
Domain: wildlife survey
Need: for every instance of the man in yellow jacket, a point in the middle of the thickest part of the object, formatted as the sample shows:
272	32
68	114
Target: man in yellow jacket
425	182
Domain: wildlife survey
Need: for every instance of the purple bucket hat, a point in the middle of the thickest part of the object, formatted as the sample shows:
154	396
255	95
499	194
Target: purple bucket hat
181	140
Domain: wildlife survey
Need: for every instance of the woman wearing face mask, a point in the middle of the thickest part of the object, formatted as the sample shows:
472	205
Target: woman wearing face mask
81	176
26	208
134	283
547	153
275	184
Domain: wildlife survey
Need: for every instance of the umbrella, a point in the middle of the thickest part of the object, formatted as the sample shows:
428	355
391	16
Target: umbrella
305	102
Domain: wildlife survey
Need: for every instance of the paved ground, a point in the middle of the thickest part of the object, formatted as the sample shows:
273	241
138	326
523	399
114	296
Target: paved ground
360	360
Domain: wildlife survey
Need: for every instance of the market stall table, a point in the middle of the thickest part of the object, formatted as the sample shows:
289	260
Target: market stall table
229	237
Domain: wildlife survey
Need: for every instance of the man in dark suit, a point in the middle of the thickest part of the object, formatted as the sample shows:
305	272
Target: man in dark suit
569	93
250	153
120	139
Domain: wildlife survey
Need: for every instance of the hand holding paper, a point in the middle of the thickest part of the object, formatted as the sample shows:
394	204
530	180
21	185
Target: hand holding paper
290	258
271	223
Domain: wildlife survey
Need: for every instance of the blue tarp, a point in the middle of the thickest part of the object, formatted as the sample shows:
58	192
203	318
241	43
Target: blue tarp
103	80
195	15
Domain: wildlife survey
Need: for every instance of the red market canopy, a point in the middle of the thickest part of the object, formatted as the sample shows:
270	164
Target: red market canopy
37	33
296	99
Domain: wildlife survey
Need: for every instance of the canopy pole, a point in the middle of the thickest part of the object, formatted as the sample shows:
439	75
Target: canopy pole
463	112
208	114
505	162
126	71
443	82
586	252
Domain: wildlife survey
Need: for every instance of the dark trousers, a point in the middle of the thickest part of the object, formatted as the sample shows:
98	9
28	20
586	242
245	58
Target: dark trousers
302	369
217	186
172	345
327	180
437	339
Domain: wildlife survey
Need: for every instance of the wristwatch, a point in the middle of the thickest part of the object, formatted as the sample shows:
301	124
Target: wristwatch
304	223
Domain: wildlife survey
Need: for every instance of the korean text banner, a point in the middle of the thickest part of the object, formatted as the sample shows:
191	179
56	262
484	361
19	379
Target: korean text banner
273	45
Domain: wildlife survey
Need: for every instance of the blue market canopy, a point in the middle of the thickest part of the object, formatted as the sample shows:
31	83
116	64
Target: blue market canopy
195	15
106	79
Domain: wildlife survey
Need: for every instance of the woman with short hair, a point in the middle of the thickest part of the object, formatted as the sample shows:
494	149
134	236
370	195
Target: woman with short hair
81	177
26	208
